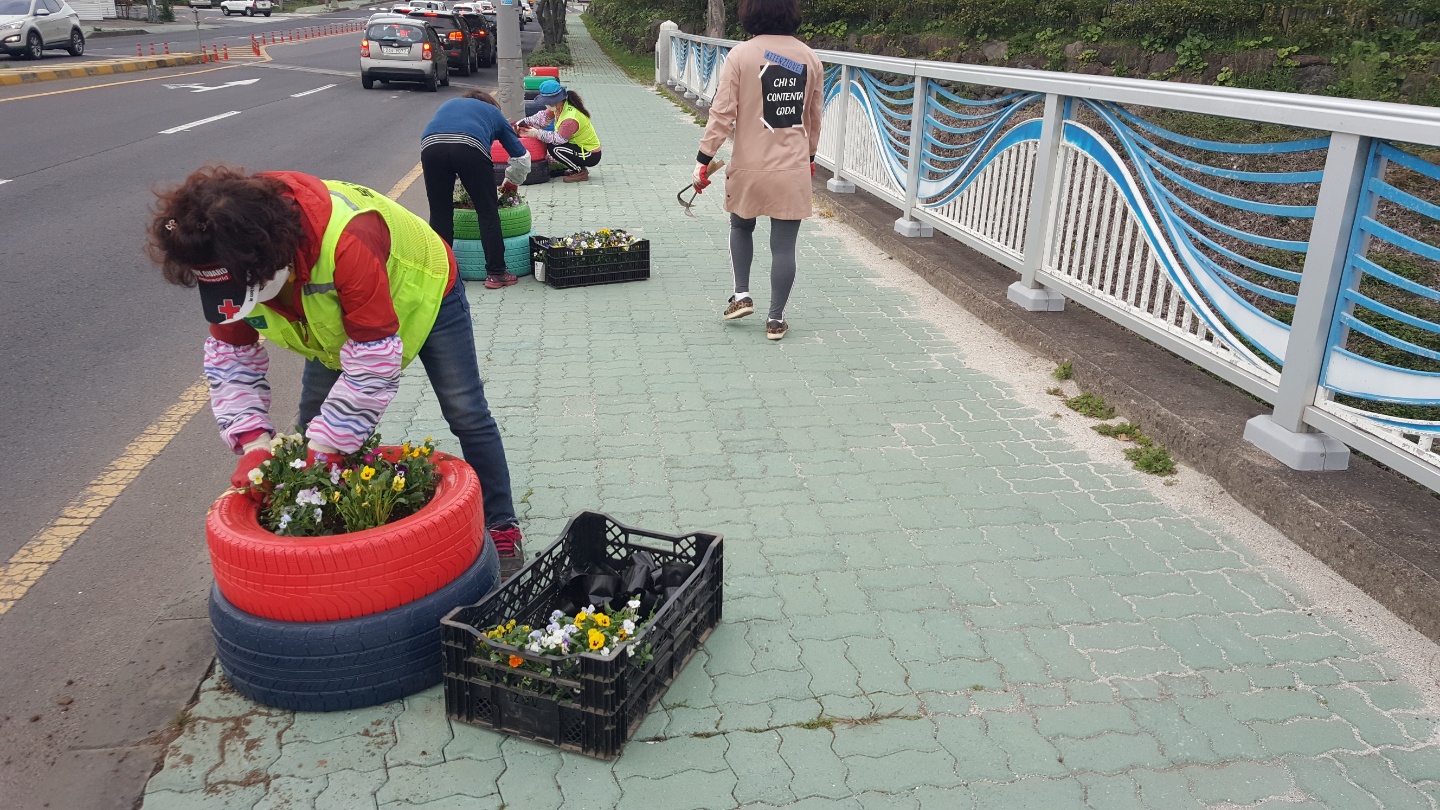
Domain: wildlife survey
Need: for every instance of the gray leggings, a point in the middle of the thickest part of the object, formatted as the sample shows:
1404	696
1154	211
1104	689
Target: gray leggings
783	233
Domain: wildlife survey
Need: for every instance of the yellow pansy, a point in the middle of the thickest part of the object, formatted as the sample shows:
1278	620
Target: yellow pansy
581	616
597	639
367	473
602	620
399	485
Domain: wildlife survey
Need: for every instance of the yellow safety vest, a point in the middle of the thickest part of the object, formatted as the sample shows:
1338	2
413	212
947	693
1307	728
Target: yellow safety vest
585	136
418	267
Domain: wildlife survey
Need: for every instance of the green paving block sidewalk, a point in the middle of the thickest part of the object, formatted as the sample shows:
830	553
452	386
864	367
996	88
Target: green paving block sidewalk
933	600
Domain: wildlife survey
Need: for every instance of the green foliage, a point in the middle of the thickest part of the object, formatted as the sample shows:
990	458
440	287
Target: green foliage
1190	53
1146	455
1154	459
1090	405
1124	431
167	11
550	57
1064	371
638	67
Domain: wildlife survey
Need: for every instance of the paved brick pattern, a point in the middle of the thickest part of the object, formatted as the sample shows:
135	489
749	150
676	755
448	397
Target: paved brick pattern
932	599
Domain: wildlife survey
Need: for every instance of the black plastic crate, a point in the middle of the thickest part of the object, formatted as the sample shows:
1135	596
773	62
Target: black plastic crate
561	267
587	703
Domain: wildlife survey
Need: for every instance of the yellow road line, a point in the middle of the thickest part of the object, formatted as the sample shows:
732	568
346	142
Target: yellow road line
405	183
35	558
115	84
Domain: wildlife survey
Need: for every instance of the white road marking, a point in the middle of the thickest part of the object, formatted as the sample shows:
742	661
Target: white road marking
203	88
308	92
183	127
3	182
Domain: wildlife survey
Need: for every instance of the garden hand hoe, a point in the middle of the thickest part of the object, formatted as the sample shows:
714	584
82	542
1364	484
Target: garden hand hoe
688	204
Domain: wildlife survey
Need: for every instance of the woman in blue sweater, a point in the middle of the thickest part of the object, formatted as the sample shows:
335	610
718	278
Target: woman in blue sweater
456	143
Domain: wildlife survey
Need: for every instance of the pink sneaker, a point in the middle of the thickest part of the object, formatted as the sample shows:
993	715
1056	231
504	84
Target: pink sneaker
507	545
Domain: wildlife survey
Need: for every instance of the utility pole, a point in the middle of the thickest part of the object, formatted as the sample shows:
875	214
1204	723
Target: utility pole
509	59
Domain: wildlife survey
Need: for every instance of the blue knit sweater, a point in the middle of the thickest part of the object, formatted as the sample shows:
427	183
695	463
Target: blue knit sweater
477	119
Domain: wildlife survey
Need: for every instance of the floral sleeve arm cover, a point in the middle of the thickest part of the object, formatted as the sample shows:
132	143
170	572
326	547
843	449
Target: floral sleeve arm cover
239	392
369	378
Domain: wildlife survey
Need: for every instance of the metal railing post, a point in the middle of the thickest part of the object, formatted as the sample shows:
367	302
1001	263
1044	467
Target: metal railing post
906	225
1284	433
1030	294
664	53
837	183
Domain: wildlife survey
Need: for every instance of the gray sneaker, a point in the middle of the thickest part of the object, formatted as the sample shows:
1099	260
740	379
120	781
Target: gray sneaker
507	545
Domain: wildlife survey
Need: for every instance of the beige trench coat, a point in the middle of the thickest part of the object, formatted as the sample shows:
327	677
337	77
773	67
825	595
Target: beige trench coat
770	97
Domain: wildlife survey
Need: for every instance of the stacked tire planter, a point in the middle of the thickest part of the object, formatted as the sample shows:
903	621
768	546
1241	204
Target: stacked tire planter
514	226
349	620
539	161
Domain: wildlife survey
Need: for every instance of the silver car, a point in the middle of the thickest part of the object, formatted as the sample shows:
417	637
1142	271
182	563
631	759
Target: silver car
401	49
29	27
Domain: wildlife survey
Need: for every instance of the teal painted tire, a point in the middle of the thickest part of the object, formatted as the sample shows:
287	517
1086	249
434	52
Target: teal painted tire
515	221
517	255
466	224
470	259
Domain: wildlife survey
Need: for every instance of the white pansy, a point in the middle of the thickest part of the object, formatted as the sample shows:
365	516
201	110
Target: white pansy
298	464
255	476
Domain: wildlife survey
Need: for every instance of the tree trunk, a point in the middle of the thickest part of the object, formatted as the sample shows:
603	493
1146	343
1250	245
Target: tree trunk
715	20
551	16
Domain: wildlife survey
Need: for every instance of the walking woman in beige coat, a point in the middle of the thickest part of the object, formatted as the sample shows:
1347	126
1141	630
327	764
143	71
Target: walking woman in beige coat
770	97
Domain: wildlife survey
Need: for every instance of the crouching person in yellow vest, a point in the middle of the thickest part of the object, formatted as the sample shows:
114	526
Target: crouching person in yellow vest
347	278
564	126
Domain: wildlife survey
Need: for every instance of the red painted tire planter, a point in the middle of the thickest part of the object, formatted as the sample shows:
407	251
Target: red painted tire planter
315	579
534	146
553	72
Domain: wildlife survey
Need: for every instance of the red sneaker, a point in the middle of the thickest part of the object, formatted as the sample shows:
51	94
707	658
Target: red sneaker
507	545
502	280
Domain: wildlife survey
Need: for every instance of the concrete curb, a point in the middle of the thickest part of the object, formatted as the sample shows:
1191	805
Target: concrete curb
80	72
1367	523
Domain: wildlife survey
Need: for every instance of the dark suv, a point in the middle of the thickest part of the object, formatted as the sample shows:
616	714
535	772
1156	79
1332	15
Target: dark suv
482	30
455	33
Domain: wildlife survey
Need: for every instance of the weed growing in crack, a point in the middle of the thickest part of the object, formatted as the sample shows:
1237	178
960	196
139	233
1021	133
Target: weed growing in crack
181	719
1155	460
1063	371
1146	455
1090	405
1055	391
1124	431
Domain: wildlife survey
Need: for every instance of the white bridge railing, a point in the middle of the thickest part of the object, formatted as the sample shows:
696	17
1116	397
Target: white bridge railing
1294	254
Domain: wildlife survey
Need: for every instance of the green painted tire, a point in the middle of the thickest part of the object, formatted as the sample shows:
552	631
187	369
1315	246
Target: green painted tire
517	255
466	224
470	259
515	221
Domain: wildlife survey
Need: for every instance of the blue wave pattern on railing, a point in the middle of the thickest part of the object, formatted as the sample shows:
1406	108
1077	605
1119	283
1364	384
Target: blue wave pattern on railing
1201	248
1200	244
1388	261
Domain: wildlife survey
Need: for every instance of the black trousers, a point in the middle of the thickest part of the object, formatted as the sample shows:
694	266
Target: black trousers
568	154
442	163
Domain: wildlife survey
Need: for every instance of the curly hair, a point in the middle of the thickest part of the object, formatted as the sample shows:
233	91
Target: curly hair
224	216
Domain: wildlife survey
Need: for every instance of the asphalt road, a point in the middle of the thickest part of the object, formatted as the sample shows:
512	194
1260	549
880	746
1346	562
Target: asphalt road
111	642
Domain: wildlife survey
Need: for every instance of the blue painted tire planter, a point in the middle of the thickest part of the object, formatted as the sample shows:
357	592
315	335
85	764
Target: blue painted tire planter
517	255
470	259
347	664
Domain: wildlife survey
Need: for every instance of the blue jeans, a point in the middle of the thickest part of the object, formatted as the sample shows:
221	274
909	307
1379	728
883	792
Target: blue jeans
454	372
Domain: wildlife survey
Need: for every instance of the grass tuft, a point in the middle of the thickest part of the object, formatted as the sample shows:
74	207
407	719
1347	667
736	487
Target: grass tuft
1090	405
1063	371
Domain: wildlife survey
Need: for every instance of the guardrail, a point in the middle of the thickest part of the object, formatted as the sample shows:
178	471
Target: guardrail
1294	253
